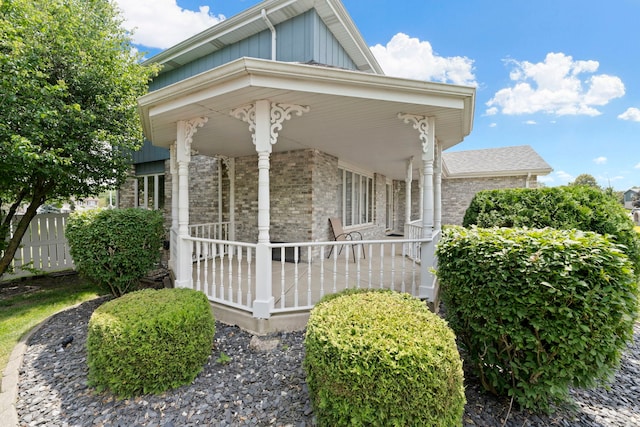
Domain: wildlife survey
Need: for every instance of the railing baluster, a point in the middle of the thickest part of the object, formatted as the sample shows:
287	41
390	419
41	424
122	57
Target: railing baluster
347	250
370	257
282	278
205	268
249	281
214	254
230	267
221	253
239	262
358	249
322	271
295	280
381	266
393	267
198	283
335	269
309	249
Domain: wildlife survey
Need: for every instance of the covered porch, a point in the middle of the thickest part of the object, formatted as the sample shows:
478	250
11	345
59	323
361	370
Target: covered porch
251	110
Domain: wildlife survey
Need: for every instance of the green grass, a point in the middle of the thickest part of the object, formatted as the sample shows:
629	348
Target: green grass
48	295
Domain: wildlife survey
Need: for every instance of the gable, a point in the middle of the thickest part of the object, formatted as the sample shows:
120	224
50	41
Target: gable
304	38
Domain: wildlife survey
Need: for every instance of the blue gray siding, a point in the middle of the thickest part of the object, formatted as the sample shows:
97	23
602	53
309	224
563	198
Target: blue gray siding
303	38
149	153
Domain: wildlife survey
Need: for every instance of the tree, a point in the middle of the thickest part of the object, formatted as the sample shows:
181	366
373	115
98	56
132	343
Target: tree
586	180
69	83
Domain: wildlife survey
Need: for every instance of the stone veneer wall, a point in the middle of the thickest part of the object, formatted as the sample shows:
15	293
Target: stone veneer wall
458	192
203	189
400	191
325	195
303	195
125	197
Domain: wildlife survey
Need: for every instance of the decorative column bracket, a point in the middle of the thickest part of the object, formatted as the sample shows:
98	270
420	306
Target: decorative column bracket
421	124
190	128
278	114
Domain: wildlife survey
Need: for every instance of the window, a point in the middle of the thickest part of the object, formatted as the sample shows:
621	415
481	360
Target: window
355	197
150	191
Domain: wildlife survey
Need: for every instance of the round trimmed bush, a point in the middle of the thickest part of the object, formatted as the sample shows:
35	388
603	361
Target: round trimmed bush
149	341
382	358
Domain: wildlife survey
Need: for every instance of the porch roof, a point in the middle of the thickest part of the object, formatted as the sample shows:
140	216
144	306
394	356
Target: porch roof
353	115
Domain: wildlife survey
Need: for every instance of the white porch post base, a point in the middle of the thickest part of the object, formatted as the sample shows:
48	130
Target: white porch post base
173	250
264	301
428	284
184	275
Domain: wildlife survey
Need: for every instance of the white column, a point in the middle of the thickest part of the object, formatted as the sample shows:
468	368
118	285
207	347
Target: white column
173	233
427	192
421	187
426	129
437	187
263	147
183	267
408	179
265	121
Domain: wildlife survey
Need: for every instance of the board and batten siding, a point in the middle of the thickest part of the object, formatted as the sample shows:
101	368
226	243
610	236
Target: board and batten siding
304	38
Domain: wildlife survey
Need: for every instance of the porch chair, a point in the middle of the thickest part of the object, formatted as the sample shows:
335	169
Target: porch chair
339	235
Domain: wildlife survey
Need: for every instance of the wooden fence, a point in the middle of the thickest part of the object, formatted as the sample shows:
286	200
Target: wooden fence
44	247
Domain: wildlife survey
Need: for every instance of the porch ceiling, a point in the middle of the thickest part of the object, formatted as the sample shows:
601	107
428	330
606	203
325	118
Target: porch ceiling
352	116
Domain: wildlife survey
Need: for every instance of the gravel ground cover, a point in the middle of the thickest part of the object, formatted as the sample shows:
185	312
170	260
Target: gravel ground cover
257	381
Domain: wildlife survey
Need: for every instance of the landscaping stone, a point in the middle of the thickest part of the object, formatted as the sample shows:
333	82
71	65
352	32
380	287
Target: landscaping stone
257	387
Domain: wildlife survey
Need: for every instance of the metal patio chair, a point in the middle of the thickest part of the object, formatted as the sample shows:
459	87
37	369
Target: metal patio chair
339	235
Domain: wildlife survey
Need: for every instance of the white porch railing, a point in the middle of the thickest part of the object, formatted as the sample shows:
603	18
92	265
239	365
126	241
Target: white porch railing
217	231
412	231
44	247
302	273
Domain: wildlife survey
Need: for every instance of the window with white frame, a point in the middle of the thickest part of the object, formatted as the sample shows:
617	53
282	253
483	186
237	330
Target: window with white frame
355	197
150	191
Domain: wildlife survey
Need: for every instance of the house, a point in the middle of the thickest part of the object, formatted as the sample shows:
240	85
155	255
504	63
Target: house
630	196
467	172
266	125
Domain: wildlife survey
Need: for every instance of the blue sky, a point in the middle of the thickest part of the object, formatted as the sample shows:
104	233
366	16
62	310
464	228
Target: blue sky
562	76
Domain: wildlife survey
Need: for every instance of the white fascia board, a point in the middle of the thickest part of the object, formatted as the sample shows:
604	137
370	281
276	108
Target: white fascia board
305	77
245	72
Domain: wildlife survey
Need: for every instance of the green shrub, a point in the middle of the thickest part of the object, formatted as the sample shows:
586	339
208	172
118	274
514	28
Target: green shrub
149	341
381	358
537	310
115	248
579	207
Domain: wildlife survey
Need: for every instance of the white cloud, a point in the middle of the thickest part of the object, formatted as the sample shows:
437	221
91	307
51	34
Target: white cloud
405	56
600	160
564	177
545	178
554	86
492	125
530	122
637	166
162	23
632	114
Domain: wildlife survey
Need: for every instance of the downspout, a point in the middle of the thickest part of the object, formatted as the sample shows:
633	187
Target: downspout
273	34
527	182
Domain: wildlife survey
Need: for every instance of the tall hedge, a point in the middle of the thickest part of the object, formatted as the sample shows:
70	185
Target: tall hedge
381	358
537	310
579	207
115	248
